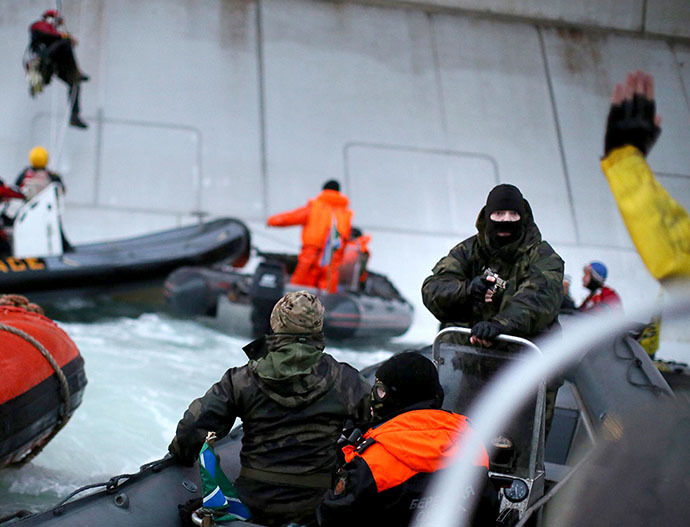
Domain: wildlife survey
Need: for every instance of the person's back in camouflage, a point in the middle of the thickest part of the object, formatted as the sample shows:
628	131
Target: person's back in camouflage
293	402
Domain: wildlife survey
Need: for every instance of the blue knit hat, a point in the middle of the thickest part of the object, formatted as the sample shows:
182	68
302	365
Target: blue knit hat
598	270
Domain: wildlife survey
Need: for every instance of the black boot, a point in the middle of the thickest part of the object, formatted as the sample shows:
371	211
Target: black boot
76	121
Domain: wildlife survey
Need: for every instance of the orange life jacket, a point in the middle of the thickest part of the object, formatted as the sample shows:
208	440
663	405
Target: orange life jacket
317	217
410	443
355	256
355	247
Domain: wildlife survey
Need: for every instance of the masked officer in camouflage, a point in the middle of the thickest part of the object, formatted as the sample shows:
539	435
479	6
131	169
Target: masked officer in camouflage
509	243
293	401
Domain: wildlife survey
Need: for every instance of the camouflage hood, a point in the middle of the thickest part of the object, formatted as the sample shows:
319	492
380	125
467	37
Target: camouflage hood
295	371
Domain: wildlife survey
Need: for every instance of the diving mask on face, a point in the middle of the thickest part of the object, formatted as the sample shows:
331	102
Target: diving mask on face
380	399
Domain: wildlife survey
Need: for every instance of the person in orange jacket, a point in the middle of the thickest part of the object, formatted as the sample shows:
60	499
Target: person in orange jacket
386	470
353	268
326	221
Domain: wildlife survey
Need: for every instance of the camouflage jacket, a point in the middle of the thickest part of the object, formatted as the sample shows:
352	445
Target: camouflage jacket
293	403
530	301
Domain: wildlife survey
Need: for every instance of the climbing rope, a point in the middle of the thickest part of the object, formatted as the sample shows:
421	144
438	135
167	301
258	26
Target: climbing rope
57	137
60	142
65	414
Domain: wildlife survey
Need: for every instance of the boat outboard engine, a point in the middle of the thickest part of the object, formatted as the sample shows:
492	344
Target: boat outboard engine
268	286
189	292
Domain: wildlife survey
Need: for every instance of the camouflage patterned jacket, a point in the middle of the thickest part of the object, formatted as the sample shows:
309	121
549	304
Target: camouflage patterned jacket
293	403
533	271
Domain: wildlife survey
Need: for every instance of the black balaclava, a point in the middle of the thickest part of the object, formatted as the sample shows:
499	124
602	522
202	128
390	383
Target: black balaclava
504	197
407	378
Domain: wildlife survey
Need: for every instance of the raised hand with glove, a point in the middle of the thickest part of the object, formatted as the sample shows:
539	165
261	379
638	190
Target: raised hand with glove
632	118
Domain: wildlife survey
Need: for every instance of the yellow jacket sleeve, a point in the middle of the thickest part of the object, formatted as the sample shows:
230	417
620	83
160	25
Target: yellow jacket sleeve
658	225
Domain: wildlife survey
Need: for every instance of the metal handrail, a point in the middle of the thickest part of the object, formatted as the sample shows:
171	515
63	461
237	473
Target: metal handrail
536	457
436	346
494	407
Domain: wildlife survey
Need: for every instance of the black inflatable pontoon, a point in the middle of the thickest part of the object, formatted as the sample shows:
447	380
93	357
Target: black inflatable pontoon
241	303
131	262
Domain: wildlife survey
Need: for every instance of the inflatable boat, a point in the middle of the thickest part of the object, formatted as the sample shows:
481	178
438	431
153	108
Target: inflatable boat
42	384
152	495
240	303
43	262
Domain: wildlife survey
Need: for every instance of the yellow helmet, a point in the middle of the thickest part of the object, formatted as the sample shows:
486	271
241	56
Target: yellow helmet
38	157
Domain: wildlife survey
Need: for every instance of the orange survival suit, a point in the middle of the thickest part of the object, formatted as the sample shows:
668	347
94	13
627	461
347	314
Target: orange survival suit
387	470
326	221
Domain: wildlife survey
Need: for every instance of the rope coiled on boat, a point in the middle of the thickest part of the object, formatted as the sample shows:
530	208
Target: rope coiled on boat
64	411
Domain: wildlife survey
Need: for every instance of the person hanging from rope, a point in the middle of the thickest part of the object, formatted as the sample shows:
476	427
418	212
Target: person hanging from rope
56	51
326	221
34	178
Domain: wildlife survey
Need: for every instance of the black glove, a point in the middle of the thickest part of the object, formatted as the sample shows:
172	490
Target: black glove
186	509
632	123
486	330
478	287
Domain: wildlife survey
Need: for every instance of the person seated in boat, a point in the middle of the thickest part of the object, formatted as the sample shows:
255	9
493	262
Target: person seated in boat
293	400
600	296
503	280
34	178
326	222
385	471
56	51
353	269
